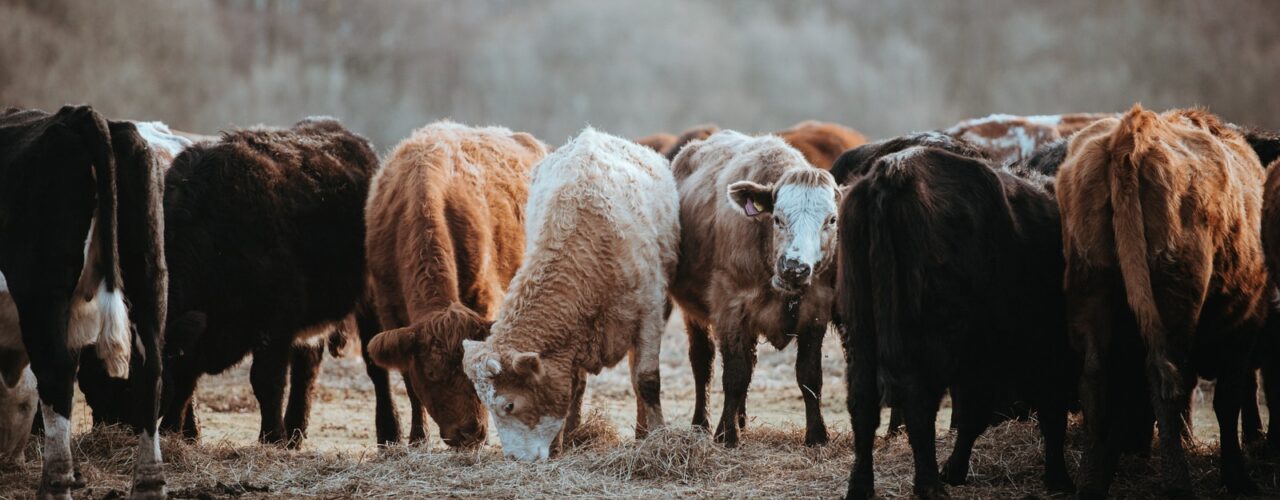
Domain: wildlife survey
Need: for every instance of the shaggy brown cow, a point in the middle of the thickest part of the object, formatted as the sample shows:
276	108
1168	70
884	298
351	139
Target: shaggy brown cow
1013	138
1165	279
264	234
820	142
951	277
659	142
694	133
1267	145
757	246
603	231
444	239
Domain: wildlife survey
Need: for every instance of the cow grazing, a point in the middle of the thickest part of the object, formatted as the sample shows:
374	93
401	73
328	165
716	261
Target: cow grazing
659	142
83	263
757	250
264	232
444	239
820	142
602	230
1165	279
694	133
1011	138
950	276
17	409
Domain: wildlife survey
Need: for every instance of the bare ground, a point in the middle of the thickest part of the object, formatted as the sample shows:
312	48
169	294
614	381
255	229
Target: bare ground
340	460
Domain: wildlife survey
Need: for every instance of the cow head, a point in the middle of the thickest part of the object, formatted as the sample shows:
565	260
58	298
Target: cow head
801	208
429	354
17	409
527	395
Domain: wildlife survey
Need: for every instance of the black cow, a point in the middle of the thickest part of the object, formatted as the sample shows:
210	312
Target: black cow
950	276
264	235
81	236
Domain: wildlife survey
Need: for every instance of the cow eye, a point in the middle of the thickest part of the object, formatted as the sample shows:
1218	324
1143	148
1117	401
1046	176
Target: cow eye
831	220
508	407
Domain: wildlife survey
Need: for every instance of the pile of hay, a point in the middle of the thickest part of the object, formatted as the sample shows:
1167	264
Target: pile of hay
674	461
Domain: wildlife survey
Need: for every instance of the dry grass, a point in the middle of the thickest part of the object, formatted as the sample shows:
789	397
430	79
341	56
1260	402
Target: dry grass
602	459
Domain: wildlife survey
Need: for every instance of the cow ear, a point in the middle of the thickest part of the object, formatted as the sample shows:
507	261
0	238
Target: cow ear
1265	143
395	348
527	364
753	199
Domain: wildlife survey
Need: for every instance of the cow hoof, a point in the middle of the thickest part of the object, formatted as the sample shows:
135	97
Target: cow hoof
931	492
1090	494
1237	482
955	474
1059	483
148	489
77	479
816	437
54	489
860	492
702	424
729	438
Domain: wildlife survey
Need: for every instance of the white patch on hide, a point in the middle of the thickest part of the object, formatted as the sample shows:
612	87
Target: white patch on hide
158	136
148	448
526	443
806	209
17	409
57	442
103	320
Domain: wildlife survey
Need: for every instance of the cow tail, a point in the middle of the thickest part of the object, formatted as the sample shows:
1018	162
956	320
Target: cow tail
114	339
1127	145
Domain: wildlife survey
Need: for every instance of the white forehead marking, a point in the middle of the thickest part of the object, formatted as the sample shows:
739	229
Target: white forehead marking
524	442
805	201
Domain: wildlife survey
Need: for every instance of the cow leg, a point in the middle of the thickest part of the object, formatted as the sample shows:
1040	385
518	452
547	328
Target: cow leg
179	415
1271	389
920	410
44	332
418	419
809	378
386	416
1233	388
304	368
1250	419
1052	414
864	408
895	422
645	378
267	376
701	354
737	349
971	413
575	405
1089	316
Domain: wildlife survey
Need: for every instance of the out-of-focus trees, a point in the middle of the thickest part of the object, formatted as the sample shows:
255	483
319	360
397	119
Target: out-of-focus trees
635	67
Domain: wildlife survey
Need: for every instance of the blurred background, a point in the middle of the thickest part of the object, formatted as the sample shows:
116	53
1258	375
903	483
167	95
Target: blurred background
635	67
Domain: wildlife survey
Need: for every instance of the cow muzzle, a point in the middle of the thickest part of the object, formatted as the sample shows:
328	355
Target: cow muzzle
792	275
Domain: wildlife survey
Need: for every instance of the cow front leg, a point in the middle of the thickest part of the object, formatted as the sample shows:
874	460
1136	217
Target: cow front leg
386	416
1233	388
304	368
1250	420
645	378
267	377
179	412
701	354
575	412
417	417
809	378
736	349
1271	388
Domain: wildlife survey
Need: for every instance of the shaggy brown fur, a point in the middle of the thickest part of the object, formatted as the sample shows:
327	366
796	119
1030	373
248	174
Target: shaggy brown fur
1165	278
1011	139
659	142
694	133
820	142
603	229
444	239
733	276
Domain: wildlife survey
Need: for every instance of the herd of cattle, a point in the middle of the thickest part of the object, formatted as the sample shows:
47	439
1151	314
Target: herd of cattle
1021	264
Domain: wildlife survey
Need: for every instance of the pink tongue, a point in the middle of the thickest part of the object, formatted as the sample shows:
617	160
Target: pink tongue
750	209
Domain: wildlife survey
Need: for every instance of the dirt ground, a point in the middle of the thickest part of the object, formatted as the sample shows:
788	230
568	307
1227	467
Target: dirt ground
340	459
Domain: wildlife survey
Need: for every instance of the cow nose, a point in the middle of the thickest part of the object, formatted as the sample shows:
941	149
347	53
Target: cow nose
794	270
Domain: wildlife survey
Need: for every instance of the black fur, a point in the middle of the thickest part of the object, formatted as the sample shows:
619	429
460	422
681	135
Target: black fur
950	276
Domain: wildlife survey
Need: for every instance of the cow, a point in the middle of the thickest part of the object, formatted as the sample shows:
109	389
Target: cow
1266	144
444	239
757	251
950	276
694	133
17	409
659	142
601	237
1165	280
1011	139
820	142
264	233
82	256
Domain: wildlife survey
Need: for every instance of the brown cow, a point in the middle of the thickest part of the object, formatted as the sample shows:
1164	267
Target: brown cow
659	142
757	247
1011	138
1160	224
603	225
694	133
444	239
820	142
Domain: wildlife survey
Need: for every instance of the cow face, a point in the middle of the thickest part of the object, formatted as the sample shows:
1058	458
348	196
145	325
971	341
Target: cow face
528	398
801	208
429	354
17	409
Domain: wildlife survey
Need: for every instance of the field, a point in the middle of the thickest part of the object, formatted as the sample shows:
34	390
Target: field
339	459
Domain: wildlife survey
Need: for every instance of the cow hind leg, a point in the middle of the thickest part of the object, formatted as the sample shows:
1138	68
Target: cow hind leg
1052	414
701	354
1232	390
645	377
971	414
1250	419
304	369
148	470
1271	388
44	333
809	378
179	413
1169	406
921	414
864	408
267	376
